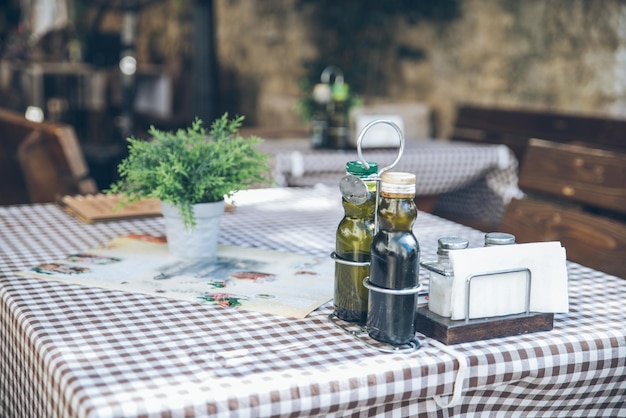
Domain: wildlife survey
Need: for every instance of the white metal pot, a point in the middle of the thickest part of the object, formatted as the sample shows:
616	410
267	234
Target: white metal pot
200	242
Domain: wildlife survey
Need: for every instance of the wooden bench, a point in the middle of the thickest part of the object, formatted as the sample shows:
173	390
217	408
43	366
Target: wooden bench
39	161
514	127
576	195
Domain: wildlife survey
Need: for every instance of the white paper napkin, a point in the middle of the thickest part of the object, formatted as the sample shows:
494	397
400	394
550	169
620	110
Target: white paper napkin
378	136
505	294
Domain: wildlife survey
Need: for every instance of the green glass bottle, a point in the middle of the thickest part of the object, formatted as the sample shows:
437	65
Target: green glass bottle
353	243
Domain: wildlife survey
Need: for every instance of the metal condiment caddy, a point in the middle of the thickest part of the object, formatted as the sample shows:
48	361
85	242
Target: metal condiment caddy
354	190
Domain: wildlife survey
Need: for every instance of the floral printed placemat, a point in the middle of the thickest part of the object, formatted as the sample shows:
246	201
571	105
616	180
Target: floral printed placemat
281	283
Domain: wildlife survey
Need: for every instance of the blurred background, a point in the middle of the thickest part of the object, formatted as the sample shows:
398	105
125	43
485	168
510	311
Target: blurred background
112	68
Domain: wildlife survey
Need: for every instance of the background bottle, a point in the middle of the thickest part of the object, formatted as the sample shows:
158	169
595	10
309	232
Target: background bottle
394	262
322	96
440	285
338	128
353	243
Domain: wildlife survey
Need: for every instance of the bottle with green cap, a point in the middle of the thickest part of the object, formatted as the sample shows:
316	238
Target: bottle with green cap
338	128
353	241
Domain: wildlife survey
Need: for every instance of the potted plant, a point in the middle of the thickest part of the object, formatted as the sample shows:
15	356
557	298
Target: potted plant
191	173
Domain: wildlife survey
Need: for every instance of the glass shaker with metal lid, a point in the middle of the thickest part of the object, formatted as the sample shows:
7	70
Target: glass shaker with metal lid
441	276
498	238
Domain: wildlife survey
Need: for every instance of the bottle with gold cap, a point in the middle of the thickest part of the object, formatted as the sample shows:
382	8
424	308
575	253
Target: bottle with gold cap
394	265
354	240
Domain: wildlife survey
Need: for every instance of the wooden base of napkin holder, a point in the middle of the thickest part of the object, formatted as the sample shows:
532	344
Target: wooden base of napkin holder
450	332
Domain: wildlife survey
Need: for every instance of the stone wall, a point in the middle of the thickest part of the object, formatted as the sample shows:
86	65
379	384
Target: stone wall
563	55
260	47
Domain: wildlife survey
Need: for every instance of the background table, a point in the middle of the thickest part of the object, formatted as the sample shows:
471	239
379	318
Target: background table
75	351
471	181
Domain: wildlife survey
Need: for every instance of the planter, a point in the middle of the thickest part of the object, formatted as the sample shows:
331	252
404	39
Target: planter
200	242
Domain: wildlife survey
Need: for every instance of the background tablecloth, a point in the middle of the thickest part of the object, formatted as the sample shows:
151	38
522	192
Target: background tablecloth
473	181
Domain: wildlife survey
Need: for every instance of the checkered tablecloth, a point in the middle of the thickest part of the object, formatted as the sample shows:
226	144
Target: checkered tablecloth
72	351
474	181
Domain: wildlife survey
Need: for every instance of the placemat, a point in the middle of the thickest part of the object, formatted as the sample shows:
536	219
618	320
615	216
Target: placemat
252	279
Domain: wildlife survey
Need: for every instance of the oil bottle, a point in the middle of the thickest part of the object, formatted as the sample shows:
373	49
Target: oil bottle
353	242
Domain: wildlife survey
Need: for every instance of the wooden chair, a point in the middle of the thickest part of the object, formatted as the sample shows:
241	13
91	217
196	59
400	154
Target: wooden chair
39	161
514	127
576	194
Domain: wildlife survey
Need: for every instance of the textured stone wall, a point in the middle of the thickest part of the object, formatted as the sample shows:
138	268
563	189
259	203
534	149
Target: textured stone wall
260	47
564	55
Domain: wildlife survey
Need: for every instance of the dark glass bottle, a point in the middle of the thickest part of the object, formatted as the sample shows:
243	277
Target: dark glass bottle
322	96
394	262
338	128
353	243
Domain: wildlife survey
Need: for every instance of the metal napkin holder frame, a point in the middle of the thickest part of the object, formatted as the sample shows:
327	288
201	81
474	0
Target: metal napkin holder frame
470	278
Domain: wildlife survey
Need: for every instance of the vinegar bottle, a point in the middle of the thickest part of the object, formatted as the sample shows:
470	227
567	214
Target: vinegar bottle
353	242
394	265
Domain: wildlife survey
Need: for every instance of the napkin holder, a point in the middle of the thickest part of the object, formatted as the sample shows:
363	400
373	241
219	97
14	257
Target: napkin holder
450	331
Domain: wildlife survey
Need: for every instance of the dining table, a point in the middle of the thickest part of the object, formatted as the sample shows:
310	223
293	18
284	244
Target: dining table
461	180
69	350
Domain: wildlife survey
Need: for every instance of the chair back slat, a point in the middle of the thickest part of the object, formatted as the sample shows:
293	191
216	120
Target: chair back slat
578	173
594	241
575	194
514	127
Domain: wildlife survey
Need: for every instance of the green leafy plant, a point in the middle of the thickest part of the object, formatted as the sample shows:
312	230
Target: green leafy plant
187	167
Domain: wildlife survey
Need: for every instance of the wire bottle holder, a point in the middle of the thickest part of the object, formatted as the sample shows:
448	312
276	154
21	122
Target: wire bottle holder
354	189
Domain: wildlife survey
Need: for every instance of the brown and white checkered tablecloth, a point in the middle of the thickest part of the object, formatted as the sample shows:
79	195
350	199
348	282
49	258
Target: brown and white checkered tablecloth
474	181
72	351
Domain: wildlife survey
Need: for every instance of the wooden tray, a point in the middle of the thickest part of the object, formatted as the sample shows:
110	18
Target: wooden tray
101	207
454	332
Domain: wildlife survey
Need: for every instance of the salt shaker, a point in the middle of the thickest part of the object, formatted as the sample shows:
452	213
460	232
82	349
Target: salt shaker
498	238
442	276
